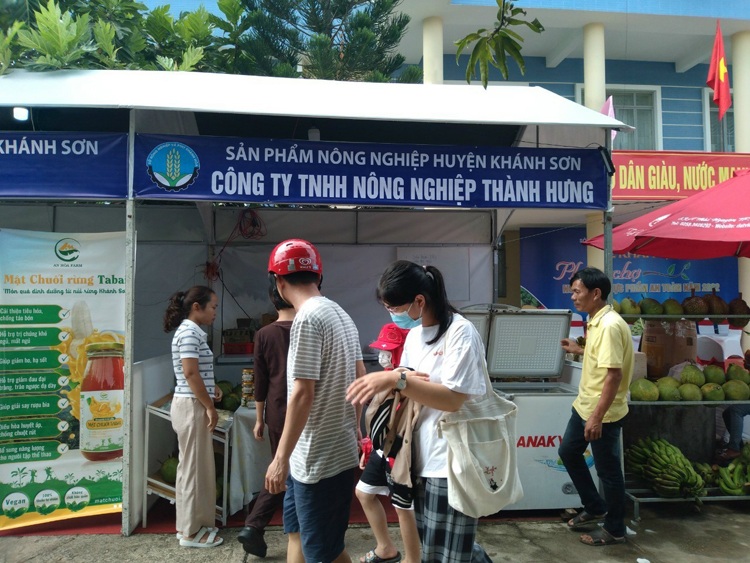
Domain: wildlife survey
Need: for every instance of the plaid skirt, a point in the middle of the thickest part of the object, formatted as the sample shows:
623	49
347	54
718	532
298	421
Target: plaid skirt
447	535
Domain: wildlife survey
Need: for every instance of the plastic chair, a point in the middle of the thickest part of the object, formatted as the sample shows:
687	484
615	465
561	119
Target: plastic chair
720	347
706	327
709	349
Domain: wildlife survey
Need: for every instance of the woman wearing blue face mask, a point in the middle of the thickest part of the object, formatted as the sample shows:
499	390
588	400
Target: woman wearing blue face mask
446	356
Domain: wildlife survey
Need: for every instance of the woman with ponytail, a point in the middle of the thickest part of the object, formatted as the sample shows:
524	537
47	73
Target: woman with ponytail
445	354
193	414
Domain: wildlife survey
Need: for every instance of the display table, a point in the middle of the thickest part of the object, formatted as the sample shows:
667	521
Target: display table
250	460
694	436
155	484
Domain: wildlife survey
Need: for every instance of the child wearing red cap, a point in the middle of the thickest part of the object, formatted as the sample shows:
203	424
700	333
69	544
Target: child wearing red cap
376	472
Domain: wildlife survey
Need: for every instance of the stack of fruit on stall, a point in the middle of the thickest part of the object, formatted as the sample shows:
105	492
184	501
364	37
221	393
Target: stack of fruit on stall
671	475
709	384
710	305
669	472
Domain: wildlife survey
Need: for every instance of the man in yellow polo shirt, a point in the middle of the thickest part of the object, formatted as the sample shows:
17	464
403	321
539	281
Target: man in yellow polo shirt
598	410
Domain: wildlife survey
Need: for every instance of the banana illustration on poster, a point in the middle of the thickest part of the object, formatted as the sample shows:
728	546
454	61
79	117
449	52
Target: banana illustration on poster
62	327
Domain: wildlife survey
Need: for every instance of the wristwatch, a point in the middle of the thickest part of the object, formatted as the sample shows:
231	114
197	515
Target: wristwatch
401	382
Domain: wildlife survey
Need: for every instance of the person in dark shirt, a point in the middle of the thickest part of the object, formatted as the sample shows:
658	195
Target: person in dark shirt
269	356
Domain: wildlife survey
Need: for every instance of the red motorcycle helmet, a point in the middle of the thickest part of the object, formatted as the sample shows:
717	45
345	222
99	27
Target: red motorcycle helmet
294	255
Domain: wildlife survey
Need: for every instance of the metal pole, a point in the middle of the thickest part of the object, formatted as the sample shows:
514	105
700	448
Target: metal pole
130	242
607	217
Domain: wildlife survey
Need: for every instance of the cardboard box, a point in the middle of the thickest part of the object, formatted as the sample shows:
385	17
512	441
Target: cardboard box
666	344
639	366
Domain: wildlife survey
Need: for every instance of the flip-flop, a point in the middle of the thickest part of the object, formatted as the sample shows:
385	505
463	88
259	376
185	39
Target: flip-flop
372	557
583	520
600	537
178	535
211	541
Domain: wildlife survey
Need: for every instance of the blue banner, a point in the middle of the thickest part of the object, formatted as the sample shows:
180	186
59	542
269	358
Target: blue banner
550	257
63	165
280	171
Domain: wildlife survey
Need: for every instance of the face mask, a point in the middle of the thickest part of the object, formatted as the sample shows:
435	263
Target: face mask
403	320
385	359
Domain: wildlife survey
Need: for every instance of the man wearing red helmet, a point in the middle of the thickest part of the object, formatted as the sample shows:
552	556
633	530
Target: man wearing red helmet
317	453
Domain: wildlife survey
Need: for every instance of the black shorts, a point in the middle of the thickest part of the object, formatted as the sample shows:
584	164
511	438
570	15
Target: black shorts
376	480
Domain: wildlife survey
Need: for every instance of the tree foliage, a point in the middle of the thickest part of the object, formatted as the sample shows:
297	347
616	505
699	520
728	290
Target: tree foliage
493	46
332	39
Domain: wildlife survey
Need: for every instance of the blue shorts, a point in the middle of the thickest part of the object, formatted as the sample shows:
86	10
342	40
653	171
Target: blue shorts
320	514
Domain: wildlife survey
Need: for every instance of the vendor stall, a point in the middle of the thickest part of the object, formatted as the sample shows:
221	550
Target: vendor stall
710	224
443	160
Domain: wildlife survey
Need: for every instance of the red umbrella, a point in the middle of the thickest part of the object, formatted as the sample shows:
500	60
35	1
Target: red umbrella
711	224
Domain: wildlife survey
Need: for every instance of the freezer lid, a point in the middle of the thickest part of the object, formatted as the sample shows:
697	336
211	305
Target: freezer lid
526	343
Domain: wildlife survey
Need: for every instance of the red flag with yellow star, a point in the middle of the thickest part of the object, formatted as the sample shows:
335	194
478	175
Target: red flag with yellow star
718	75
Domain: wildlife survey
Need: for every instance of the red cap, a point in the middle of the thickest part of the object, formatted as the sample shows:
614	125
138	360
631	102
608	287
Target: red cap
390	337
295	255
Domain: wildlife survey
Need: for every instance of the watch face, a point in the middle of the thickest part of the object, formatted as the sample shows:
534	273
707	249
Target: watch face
401	383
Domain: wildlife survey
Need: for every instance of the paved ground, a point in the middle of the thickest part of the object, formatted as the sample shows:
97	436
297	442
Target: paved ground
673	533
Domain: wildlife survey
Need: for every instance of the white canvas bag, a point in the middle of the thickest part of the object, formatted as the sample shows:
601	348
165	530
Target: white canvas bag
482	469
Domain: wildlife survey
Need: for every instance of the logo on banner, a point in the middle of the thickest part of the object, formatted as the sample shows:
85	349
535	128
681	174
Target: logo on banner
68	249
173	166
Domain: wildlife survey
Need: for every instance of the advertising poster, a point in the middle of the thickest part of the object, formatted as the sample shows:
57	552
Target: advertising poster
281	171
62	326
550	257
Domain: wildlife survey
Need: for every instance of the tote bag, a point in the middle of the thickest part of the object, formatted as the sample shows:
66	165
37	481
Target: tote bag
482	469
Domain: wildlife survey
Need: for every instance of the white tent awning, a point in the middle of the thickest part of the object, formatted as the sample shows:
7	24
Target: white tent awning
227	93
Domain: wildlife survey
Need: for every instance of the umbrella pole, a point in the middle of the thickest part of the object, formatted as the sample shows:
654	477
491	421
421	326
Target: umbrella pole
608	267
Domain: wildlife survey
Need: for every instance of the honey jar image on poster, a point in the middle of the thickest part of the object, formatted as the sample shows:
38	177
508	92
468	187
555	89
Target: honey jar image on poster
102	397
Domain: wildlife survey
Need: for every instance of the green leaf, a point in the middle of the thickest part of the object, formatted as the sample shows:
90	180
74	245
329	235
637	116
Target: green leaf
104	35
471	67
484	66
232	9
190	58
512	34
671	269
502	61
685	277
511	49
687	266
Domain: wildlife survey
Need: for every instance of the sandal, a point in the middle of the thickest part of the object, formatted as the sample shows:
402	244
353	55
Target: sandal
211	541
601	537
583	520
372	557
178	535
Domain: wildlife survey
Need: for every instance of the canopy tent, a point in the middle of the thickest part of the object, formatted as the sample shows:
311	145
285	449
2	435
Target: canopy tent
711	224
168	100
228	93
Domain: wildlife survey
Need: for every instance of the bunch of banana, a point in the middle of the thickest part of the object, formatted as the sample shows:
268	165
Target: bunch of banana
670	472
635	458
709	473
734	480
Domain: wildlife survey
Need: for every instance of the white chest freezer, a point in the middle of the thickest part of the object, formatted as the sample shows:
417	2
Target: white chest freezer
527	365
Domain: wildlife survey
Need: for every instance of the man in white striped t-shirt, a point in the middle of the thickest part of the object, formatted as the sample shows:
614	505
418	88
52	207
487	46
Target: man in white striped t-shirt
319	442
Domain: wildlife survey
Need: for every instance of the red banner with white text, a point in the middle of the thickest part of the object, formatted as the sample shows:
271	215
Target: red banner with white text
645	175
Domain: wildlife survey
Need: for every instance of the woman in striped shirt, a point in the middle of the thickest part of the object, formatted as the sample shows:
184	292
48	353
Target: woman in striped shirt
193	414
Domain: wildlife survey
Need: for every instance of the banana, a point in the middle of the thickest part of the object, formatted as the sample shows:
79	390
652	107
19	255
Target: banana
725	478
732	491
738	475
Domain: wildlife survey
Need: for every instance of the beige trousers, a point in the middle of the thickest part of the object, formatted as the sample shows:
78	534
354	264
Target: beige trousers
195	489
